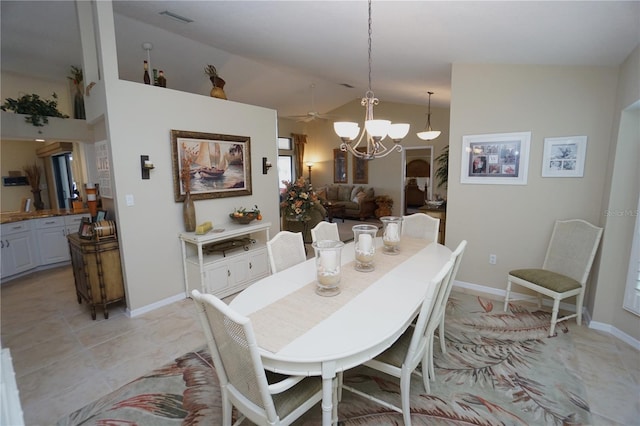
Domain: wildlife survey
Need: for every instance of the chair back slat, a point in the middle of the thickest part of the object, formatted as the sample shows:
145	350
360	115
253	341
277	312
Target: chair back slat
572	248
285	249
325	231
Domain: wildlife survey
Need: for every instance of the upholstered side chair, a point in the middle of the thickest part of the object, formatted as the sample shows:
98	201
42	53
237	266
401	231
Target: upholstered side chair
565	269
285	249
265	399
420	225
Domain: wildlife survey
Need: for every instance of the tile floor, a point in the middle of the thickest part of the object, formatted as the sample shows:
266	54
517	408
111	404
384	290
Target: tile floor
63	360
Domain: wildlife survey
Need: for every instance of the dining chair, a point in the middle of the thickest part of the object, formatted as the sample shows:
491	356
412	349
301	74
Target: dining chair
285	249
325	231
420	225
565	269
264	398
439	310
402	358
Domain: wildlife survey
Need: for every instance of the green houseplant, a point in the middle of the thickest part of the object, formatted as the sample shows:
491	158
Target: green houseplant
442	172
36	109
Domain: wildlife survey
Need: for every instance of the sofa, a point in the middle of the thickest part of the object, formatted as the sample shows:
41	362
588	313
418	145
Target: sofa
359	201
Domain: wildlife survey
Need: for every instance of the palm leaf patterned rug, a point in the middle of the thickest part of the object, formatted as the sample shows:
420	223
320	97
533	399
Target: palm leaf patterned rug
499	369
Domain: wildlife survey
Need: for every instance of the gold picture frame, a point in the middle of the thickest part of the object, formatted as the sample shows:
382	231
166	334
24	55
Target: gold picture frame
360	168
219	165
340	166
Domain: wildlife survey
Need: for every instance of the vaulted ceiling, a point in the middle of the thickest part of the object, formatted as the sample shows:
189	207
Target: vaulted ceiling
414	43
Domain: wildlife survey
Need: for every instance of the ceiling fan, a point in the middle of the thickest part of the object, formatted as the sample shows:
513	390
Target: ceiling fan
313	114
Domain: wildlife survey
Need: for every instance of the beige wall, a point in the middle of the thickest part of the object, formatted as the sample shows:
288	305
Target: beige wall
621	203
514	221
14	155
385	174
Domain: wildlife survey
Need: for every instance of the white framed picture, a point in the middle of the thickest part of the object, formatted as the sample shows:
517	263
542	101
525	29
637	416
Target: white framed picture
495	159
564	156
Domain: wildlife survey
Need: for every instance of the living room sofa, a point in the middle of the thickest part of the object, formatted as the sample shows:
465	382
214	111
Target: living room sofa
359	201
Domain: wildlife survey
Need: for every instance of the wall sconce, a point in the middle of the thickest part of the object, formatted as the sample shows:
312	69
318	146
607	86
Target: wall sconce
266	165
145	166
309	166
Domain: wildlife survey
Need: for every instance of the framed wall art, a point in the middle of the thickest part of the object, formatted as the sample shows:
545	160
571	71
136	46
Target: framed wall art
360	169
339	166
564	157
210	165
495	159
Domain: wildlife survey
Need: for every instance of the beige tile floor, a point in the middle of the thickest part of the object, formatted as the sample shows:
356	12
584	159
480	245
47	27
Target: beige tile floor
63	360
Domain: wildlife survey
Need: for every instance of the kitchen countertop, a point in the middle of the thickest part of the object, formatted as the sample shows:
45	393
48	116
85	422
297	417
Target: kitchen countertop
16	216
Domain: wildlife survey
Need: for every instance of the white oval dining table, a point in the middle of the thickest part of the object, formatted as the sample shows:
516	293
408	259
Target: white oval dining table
302	333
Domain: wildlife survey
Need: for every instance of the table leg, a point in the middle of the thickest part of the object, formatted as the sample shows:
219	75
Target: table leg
329	410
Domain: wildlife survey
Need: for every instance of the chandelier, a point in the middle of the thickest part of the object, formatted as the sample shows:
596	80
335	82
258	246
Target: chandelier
428	133
375	130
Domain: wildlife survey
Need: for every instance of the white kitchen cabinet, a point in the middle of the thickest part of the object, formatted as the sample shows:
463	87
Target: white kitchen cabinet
223	274
18	248
51	235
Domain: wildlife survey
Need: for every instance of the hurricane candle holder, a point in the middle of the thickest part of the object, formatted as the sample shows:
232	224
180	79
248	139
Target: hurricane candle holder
391	234
364	245
328	266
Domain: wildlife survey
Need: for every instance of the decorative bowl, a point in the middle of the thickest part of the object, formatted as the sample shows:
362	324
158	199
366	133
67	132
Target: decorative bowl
434	204
247	217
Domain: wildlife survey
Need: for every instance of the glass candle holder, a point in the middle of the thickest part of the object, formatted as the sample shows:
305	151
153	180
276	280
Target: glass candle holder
364	237
328	266
391	234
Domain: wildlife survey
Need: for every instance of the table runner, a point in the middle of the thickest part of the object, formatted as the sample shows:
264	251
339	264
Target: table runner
283	321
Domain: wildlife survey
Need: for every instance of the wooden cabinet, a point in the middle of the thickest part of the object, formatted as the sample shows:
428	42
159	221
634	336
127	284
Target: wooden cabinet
438	214
97	271
225	273
18	247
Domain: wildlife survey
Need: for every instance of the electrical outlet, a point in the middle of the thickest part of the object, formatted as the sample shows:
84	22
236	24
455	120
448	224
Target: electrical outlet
493	259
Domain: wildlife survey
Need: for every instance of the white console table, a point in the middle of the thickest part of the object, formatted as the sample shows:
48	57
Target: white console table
225	273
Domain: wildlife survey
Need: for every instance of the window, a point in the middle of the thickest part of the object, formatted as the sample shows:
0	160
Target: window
285	161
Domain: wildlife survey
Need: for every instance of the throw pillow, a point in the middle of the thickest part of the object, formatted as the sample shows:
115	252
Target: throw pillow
355	191
344	192
370	193
322	194
359	197
332	193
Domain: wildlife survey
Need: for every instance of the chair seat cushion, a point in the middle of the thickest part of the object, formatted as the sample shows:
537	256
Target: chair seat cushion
547	279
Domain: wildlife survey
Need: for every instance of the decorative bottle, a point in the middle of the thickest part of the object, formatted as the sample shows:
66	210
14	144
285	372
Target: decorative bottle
147	77
162	81
189	213
155	77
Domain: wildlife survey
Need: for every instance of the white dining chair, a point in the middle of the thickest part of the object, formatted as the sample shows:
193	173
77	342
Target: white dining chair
420	225
402	358
565	269
264	398
439	310
325	231
285	249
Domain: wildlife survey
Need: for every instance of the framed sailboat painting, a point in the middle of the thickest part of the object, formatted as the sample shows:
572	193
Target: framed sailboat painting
210	165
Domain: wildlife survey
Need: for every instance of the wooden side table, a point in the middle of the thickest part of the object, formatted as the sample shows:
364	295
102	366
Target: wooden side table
335	210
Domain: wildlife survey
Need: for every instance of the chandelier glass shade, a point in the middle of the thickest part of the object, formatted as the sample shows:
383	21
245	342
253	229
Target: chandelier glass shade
374	131
428	133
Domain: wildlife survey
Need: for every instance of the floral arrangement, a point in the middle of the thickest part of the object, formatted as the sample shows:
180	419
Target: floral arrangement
33	176
298	198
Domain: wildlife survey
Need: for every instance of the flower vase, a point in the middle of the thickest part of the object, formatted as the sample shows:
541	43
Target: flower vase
218	87
78	105
189	213
37	199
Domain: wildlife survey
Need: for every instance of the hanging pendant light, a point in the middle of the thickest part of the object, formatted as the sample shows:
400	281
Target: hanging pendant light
428	133
375	130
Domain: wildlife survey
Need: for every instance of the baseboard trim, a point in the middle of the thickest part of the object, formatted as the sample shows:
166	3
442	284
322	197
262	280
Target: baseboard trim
586	316
156	305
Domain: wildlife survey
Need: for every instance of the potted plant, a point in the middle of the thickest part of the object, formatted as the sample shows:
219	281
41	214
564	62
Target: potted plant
36	109
442	172
78	99
217	81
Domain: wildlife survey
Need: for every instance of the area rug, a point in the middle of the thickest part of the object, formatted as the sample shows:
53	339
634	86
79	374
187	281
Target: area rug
499	369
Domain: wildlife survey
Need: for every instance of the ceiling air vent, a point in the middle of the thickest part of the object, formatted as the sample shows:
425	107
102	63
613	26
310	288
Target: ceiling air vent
176	17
